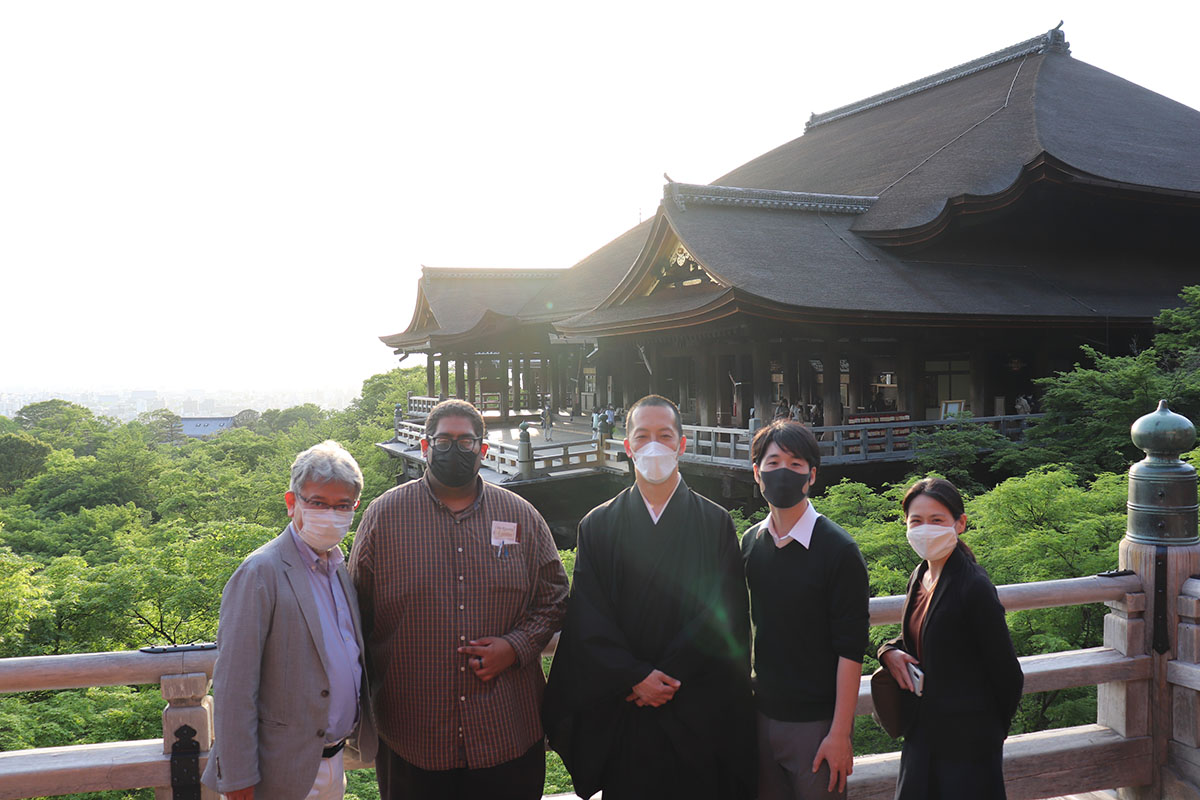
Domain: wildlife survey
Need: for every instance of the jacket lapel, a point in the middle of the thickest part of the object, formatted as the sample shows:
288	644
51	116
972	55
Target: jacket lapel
297	575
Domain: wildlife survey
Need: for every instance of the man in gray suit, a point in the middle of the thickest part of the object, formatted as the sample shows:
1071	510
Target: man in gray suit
289	687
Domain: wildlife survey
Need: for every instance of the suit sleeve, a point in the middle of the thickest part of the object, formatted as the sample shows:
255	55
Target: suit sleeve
985	615
547	602
247	604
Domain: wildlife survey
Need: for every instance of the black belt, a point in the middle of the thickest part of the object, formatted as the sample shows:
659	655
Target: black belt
332	750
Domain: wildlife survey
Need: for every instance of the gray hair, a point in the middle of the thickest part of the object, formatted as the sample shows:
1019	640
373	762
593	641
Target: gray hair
327	461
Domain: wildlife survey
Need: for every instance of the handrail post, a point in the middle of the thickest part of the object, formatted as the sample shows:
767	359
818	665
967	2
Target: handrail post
1161	545
188	703
525	452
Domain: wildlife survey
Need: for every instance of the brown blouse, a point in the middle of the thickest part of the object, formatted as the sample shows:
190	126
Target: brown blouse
916	617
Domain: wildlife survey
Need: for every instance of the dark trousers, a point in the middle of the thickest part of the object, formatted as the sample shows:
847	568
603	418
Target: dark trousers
927	774
520	779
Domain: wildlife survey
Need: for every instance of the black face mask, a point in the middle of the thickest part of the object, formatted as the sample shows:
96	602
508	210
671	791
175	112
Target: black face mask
452	468
784	488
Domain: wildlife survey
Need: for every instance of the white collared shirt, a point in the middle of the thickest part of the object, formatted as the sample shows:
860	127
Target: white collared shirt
655	517
801	532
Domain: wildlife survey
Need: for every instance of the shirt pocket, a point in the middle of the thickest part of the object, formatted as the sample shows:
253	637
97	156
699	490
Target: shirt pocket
507	572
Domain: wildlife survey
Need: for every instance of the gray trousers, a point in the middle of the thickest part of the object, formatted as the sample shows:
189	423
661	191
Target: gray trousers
785	754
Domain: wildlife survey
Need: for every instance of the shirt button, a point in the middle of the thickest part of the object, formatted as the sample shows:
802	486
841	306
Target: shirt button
462	638
460	549
324	693
462	698
460	577
321	732
461	606
462	669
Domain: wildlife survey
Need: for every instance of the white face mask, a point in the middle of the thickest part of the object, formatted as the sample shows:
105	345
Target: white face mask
655	462
933	542
323	529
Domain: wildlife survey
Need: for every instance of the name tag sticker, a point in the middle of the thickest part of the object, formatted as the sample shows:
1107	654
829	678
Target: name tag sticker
505	533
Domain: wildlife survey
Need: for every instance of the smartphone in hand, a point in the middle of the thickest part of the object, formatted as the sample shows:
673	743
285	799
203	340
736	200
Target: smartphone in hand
917	676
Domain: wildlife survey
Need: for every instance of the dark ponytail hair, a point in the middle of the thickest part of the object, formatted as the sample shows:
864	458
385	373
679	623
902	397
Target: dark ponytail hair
945	493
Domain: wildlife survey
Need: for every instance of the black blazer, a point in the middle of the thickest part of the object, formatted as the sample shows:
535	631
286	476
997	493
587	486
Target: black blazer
972	677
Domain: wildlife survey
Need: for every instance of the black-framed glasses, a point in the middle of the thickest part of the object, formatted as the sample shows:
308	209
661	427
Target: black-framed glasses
467	444
320	506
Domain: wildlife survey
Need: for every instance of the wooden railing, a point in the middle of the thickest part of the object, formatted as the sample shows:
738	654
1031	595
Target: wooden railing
729	447
1061	761
1044	764
419	406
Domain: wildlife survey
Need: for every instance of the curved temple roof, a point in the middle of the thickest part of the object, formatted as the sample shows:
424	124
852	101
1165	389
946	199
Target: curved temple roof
810	224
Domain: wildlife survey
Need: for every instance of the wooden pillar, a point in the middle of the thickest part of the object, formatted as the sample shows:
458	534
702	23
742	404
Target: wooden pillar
657	381
472	368
859	395
808	378
1162	547
429	376
831	389
911	396
705	401
518	378
790	385
980	404
188	703
504	385
460	375
760	367
527	388
745	393
444	376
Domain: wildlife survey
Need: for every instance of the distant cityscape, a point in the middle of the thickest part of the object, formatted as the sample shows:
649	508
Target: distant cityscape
126	405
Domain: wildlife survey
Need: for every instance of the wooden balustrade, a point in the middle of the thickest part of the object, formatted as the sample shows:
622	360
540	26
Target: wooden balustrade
1043	764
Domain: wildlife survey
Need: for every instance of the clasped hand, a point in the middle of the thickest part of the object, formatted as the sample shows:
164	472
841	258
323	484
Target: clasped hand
656	689
489	656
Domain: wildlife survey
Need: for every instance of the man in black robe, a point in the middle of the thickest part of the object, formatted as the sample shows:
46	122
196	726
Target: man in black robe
649	694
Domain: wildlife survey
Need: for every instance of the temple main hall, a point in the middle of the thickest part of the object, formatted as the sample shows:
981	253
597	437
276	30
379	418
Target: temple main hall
935	247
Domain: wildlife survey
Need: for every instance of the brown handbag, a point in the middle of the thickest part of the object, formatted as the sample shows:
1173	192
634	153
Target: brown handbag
895	706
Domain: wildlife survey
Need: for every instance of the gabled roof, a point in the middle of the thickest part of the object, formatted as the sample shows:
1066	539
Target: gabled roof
809	266
823	225
453	303
970	131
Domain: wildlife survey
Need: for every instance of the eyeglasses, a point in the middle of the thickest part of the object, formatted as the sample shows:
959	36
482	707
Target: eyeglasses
467	444
317	504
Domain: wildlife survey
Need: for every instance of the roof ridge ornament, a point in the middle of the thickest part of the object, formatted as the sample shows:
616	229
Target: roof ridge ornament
711	195
1052	41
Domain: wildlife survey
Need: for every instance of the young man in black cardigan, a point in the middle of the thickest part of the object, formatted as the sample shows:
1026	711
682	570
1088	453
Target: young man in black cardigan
809	603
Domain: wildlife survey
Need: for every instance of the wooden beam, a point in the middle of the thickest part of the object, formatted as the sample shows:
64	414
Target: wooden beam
50	771
1043	594
1052	671
1044	764
36	673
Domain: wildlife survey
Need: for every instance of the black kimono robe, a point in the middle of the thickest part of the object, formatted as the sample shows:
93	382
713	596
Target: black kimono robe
671	597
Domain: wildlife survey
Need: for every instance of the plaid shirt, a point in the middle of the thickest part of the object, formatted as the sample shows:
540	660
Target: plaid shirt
429	580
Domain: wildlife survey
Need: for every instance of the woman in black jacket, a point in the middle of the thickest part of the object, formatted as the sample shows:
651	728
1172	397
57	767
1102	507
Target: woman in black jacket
954	632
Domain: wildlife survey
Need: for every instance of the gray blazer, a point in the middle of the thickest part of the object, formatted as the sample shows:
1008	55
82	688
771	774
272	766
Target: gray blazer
269	685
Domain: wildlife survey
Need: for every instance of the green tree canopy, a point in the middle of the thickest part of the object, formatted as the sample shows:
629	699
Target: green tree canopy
21	458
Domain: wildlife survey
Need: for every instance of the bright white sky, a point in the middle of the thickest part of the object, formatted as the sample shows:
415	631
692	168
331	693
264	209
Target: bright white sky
239	195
